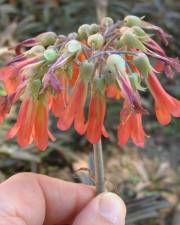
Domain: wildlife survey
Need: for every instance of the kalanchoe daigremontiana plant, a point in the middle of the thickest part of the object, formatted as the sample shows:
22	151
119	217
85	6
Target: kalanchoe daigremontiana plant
111	60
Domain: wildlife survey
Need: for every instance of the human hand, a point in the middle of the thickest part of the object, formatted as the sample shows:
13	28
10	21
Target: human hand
33	199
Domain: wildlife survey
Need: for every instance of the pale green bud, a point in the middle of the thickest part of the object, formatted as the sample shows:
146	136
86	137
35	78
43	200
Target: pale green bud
107	22
94	28
142	63
47	38
36	50
138	31
2	92
114	62
84	31
132	21
130	40
96	40
136	82
100	84
50	54
86	69
69	70
35	88
108	76
73	46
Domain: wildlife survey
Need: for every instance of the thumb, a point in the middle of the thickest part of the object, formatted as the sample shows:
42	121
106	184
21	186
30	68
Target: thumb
105	209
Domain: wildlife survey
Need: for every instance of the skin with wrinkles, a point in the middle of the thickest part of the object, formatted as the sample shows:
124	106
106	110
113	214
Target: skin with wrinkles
33	199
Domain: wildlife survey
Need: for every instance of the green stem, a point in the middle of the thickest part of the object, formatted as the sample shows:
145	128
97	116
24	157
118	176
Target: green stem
101	9
99	167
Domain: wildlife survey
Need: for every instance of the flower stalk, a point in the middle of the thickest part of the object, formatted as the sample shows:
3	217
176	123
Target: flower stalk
99	167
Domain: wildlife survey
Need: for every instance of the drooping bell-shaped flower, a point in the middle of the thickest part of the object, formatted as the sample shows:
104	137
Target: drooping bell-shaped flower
130	127
5	106
166	106
112	91
12	75
25	121
75	71
59	100
96	115
74	112
71	50
117	65
32	121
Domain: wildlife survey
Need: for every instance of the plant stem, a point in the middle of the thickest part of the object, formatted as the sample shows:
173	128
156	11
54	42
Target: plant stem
101	9
99	167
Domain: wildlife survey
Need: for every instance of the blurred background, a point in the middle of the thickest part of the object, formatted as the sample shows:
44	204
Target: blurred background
147	179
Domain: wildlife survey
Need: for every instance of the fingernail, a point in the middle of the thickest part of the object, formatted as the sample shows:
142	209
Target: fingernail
112	208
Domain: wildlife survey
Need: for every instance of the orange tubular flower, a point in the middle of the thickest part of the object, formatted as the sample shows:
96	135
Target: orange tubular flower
76	70
10	78
32	123
59	101
113	92
5	106
11	75
74	112
40	133
95	124
131	127
165	105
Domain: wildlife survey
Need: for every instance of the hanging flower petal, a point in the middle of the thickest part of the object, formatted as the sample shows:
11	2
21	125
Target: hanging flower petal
41	125
165	104
72	112
5	106
131	127
24	135
97	109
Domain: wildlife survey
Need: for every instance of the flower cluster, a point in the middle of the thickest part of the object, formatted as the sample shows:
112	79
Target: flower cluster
62	74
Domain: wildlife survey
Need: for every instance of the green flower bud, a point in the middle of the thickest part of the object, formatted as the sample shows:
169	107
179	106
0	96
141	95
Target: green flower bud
86	69
130	40
132	21
35	88
107	22
142	63
136	82
96	40
84	31
108	76
50	54
119	43
68	69
2	92
100	84
116	61
94	28
47	38
73	46
36	50
138	31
